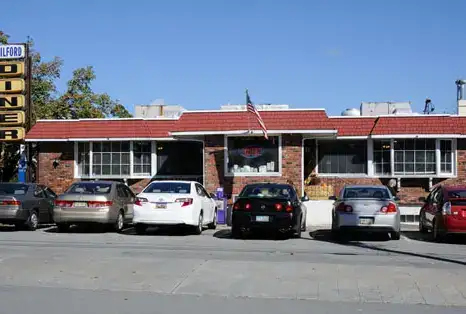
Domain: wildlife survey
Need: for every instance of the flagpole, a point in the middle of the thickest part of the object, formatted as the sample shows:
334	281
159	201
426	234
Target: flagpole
249	116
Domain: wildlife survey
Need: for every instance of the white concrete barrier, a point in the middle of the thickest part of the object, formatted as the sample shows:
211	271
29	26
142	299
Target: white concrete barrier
319	213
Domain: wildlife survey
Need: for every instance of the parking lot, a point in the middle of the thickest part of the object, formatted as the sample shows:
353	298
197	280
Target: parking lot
116	272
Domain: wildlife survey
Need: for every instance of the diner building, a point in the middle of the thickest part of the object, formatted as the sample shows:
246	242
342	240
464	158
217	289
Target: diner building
226	148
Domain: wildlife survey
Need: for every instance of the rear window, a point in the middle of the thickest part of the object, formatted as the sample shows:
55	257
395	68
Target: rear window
376	193
168	187
13	189
89	188
457	194
268	191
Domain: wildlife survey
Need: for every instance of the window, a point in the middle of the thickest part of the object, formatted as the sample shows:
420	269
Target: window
367	192
253	155
446	156
142	158
83	159
342	156
168	187
180	158
89	188
13	189
382	158
414	156
110	159
282	191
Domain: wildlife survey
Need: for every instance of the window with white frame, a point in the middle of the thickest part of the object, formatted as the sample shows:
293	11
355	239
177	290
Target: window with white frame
142	158
253	154
382	157
446	156
342	156
414	156
83	159
110	158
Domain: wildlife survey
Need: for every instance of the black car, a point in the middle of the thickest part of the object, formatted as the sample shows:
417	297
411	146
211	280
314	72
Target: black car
268	206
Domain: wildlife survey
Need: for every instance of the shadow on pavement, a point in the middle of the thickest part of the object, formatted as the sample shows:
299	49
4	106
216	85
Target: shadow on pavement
162	231
82	229
427	237
12	228
326	236
226	234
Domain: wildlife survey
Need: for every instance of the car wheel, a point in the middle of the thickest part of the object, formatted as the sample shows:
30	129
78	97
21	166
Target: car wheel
140	229
120	222
213	224
33	221
436	233
61	227
422	227
200	222
236	232
395	235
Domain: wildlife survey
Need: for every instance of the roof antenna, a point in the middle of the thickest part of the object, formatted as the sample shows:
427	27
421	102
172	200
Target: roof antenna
429	106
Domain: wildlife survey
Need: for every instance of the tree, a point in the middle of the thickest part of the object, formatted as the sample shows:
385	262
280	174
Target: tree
78	101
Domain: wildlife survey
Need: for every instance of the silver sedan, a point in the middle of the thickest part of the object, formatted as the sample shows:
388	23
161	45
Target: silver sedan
370	208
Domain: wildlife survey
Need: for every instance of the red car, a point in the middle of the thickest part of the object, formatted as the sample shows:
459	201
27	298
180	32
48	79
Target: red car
444	212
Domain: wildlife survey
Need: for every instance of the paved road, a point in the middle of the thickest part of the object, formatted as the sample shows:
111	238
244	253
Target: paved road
89	272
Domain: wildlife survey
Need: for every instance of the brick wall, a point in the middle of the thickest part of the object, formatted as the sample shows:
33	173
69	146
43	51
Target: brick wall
60	177
215	166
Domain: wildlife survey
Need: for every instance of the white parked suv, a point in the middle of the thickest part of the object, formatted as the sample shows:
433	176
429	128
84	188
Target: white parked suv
171	203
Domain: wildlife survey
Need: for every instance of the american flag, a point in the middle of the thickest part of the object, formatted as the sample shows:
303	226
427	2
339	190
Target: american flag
252	109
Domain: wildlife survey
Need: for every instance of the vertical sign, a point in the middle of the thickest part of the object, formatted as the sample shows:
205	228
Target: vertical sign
15	98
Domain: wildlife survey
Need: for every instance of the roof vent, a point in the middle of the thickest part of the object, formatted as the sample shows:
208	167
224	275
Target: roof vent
352	112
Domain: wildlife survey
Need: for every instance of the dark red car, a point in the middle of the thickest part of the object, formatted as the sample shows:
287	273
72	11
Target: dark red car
444	212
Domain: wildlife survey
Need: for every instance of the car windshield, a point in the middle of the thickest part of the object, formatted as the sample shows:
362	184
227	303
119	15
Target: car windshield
366	192
13	189
169	187
268	191
457	194
89	188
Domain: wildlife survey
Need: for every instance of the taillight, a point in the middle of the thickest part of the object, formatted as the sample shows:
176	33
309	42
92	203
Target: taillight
289	208
140	200
61	203
446	209
247	206
10	203
390	208
184	201
278	207
342	207
237	206
97	204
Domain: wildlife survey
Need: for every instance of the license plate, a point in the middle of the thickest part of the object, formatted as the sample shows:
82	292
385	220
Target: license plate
366	221
161	205
262	218
80	204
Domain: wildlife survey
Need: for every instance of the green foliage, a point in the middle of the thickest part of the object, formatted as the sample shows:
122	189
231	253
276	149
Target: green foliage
78	101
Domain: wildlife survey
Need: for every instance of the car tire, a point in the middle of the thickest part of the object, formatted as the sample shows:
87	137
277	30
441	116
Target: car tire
140	229
200	224
395	235
213	224
422	227
33	221
119	223
236	232
63	227
437	236
303	225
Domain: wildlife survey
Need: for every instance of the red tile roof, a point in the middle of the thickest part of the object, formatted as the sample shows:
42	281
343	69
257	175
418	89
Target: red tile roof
100	129
241	120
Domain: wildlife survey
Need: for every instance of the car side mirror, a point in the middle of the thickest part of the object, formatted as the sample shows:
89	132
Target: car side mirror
333	198
422	199
396	198
212	195
304	198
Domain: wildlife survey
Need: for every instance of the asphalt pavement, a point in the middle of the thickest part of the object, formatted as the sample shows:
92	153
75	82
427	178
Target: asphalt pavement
171	271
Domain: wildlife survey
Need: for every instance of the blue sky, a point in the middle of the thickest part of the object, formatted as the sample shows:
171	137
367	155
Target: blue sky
200	54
